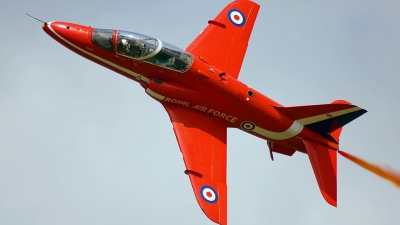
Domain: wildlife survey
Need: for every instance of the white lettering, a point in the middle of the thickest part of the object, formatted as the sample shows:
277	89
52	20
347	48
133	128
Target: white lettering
216	113
203	109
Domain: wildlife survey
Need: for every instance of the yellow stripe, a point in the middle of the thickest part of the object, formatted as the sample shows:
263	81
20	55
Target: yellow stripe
292	131
136	75
155	95
325	116
298	125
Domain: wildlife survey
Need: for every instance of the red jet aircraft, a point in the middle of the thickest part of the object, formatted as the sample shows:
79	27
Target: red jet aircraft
198	88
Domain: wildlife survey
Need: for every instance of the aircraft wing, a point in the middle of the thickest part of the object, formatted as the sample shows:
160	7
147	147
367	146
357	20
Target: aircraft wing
223	43
202	141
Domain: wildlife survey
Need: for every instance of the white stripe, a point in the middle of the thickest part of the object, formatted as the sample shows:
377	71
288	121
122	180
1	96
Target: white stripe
298	125
322	117
136	75
292	131
153	53
155	95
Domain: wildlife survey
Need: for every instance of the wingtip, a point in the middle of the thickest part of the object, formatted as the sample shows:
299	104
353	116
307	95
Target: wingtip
331	201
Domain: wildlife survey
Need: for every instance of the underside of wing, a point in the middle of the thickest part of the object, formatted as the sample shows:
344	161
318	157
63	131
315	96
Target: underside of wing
223	43
202	141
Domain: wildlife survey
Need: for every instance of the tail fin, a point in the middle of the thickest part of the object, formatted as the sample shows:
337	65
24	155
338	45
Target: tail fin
328	121
336	134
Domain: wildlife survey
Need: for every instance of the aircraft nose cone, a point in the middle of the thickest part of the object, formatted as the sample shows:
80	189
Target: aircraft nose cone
68	33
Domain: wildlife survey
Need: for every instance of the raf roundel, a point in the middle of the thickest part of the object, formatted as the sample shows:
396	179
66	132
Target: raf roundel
248	125
209	194
236	17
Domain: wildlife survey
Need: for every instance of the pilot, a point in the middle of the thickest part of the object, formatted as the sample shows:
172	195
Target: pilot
126	46
124	42
138	48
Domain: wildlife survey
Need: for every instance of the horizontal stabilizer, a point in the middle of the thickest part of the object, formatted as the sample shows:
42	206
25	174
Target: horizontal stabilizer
324	163
324	119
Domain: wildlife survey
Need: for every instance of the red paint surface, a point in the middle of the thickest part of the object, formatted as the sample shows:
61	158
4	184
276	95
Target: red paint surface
206	99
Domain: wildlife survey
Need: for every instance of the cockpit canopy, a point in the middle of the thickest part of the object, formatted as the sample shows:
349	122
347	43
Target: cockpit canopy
103	38
143	48
137	46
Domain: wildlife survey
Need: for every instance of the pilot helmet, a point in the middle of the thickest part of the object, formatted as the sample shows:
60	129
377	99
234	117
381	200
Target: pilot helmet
124	42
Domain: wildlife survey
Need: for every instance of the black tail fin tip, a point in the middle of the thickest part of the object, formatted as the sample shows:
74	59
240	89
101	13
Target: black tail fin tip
332	128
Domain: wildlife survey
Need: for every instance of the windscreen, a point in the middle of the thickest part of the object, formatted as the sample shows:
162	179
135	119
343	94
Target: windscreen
148	49
103	38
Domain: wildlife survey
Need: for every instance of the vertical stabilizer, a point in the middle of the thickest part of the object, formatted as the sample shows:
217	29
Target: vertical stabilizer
336	134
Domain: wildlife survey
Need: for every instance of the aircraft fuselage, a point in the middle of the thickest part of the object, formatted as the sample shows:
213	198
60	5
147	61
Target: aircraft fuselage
201	87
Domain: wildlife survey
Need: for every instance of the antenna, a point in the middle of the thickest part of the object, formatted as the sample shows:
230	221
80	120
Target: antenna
37	19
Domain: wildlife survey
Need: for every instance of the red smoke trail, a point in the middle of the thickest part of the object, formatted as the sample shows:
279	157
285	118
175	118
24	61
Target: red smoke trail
388	174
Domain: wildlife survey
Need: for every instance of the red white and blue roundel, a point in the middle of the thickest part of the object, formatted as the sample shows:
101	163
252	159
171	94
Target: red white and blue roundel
209	194
236	17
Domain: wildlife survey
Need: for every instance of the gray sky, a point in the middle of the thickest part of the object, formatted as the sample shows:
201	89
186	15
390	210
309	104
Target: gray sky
80	144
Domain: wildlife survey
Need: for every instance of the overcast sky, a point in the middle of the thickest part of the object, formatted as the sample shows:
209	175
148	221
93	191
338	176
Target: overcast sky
80	144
